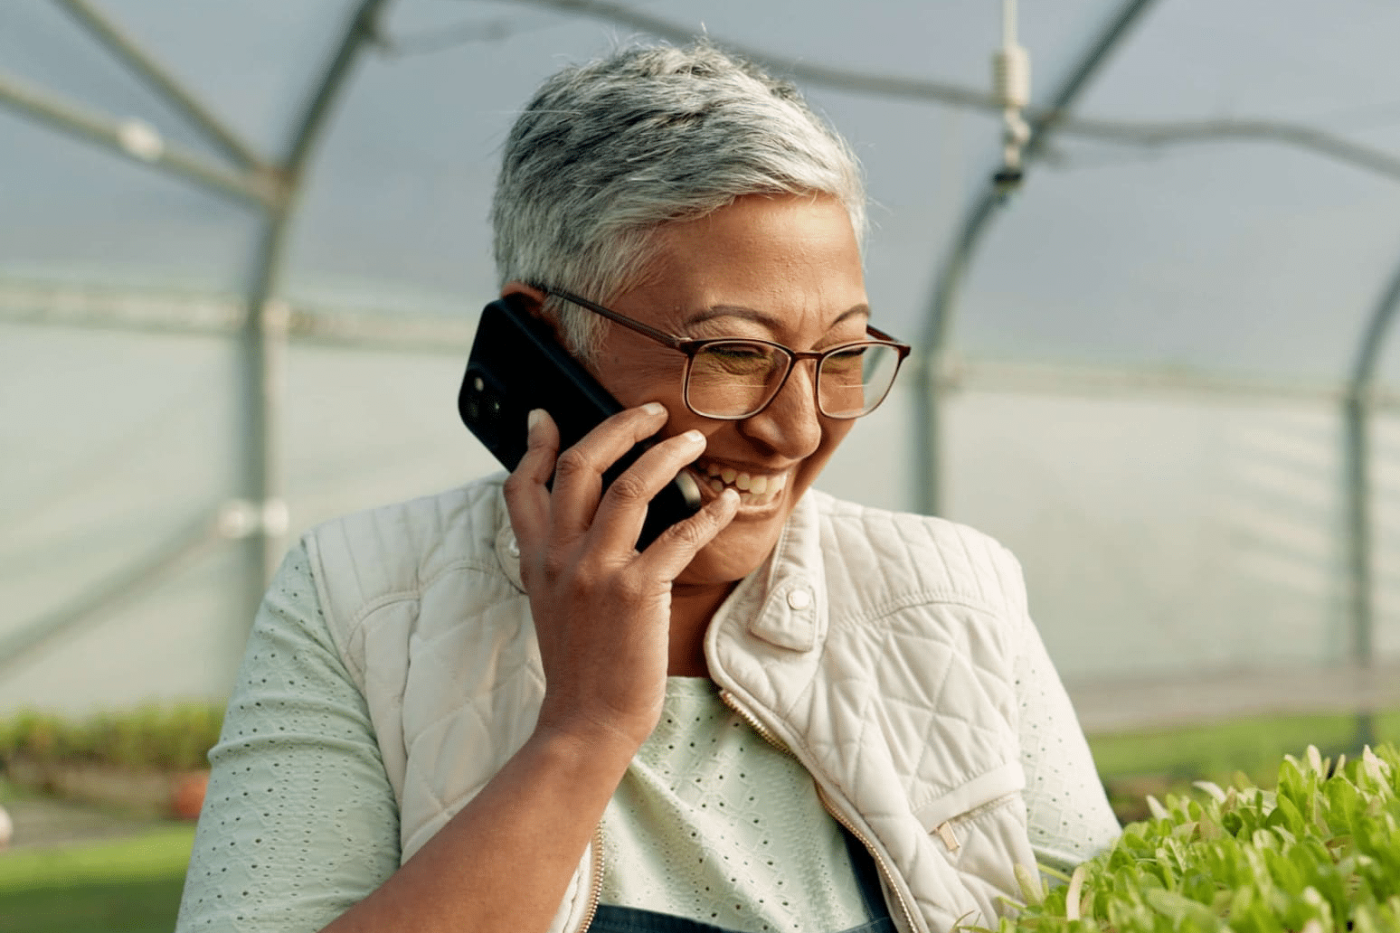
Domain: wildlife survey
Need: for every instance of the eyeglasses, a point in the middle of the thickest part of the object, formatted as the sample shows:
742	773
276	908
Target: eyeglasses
730	379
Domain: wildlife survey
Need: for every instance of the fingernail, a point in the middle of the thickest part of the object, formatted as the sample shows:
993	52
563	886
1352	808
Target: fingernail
533	418
654	408
693	437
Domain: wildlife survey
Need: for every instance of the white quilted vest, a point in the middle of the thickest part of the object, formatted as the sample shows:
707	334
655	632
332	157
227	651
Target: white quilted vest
876	647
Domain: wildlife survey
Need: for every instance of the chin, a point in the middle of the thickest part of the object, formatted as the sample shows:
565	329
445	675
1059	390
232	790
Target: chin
738	551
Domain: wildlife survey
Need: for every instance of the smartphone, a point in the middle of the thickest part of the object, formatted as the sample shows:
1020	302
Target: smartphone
516	365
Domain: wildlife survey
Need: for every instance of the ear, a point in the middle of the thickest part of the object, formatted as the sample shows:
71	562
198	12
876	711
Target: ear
534	295
534	304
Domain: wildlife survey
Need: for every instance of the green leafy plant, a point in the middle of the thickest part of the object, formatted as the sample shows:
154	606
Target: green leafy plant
172	737
1321	853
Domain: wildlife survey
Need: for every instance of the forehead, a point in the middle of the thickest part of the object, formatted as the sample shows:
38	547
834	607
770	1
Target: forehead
775	264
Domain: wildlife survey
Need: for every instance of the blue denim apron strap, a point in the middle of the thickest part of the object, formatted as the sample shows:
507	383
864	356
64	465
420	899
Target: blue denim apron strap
610	919
868	877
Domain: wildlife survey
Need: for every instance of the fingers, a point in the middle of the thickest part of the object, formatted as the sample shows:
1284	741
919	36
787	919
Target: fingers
626	503
577	507
676	547
527	497
578	472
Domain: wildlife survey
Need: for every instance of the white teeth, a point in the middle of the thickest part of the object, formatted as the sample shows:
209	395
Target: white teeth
755	488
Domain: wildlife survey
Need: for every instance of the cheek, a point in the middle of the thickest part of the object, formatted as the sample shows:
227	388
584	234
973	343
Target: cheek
833	433
634	381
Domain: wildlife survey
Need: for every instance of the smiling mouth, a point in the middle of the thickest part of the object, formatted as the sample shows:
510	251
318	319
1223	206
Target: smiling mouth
753	489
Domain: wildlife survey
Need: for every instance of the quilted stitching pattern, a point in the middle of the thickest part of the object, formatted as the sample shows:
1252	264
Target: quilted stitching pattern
906	704
911	697
418	589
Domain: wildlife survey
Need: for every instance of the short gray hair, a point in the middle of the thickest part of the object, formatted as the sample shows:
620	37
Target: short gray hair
608	151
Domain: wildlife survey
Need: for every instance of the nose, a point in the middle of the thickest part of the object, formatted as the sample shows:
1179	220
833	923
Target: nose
791	425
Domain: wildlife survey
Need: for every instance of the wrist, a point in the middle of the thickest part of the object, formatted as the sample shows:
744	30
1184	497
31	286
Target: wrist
578	737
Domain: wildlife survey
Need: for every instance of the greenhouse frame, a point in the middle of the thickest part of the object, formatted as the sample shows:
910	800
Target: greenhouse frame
1153	309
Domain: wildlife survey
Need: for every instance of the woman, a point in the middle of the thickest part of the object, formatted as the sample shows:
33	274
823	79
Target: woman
485	710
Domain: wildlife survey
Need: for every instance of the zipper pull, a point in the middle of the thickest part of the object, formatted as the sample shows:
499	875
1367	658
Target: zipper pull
950	839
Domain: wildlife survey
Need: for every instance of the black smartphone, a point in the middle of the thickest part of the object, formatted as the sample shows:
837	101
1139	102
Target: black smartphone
516	365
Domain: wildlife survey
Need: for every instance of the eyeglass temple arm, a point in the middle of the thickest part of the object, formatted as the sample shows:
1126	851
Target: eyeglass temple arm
660	336
671	340
878	334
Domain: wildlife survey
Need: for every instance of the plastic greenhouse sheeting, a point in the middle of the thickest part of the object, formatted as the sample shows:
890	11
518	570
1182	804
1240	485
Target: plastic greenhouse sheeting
1140	384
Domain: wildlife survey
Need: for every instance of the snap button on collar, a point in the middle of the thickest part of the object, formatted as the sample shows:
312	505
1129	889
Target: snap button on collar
790	616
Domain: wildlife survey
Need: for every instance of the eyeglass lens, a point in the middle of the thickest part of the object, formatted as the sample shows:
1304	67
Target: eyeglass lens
733	379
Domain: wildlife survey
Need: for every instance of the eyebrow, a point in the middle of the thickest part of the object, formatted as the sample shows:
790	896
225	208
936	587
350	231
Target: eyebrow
762	317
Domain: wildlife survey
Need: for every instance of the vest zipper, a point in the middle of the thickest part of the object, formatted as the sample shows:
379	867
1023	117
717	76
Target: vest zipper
945	829
885	871
595	890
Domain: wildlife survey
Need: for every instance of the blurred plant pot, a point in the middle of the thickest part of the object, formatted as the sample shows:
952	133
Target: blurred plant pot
187	796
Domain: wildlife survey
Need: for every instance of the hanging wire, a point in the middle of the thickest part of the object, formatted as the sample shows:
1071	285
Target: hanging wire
445	38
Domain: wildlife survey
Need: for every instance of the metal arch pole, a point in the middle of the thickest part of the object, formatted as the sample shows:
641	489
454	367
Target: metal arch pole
1144	133
1357	406
933	374
164	82
264	335
244	186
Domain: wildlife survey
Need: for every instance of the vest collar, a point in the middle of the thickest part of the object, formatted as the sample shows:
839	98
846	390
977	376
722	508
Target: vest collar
508	548
783	603
791	602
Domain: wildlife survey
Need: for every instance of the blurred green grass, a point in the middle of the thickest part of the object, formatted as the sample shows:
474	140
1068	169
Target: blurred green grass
130	885
1168	761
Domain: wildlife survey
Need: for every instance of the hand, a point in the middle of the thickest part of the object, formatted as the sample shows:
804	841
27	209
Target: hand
602	611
